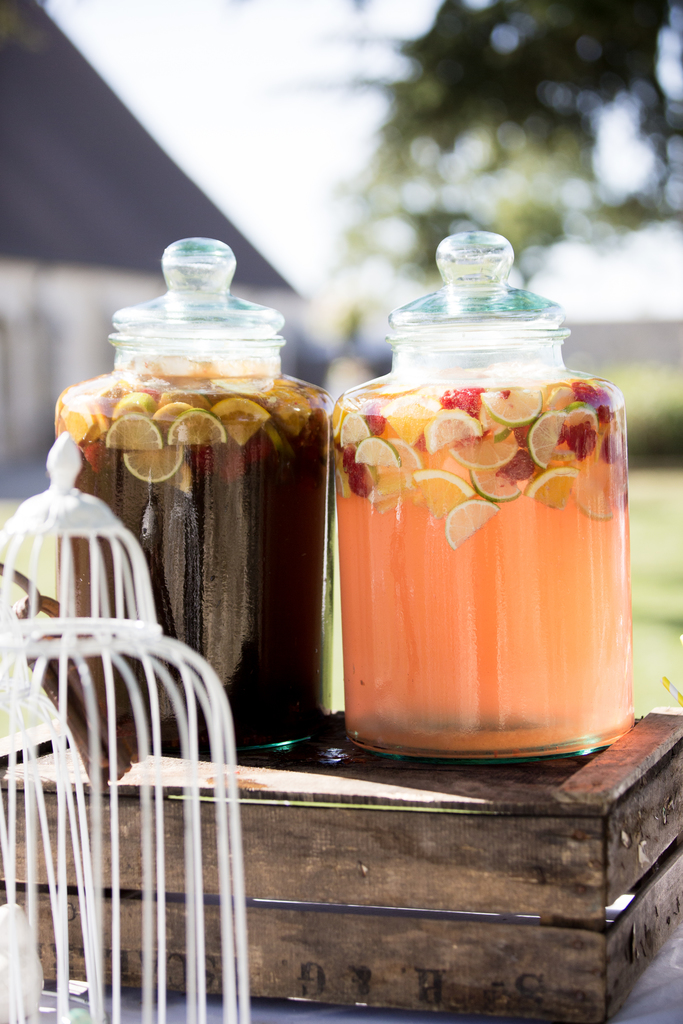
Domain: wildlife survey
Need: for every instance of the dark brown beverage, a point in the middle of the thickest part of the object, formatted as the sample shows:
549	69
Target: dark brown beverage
226	486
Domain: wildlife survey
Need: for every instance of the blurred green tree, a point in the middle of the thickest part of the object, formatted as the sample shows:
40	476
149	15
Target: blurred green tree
539	120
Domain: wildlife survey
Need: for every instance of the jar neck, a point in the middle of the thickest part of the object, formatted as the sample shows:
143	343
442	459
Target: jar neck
243	358
528	357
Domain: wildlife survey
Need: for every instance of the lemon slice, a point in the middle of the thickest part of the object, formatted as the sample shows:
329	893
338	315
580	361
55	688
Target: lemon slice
450	426
337	417
591	492
489	485
197	426
441	490
560	397
553	486
392	481
513	407
408	415
291	407
544	436
485	453
171	411
136	433
84	421
189	398
410	458
373	451
354	429
155	466
137	401
241	417
466	519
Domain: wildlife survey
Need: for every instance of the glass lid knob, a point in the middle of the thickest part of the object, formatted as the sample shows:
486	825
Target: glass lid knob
198	265
474	258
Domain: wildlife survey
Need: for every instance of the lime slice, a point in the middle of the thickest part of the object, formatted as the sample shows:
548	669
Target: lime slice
408	415
137	401
171	411
450	426
502	434
485	453
544	436
353	430
553	486
197	426
136	433
580	413
153	467
492	487
410	458
241	417
513	407
466	519
592	490
373	451
442	491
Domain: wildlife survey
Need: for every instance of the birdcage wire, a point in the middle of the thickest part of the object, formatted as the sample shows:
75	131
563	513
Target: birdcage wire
82	662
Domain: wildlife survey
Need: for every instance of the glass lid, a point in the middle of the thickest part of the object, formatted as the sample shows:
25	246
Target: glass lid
475	266
198	305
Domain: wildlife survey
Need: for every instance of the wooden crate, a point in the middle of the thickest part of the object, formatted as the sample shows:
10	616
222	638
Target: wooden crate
435	887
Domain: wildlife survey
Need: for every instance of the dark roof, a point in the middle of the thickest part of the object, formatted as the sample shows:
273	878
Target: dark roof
81	181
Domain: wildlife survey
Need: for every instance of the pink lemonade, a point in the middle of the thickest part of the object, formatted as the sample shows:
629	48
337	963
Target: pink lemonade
484	568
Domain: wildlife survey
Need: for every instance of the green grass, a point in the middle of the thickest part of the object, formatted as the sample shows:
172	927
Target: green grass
657	576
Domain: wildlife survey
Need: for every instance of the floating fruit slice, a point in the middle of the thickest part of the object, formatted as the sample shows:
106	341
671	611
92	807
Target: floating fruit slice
189	398
354	429
489	485
513	407
171	411
373	451
408	415
450	426
197	426
291	407
442	491
136	433
241	417
553	486
137	401
466	519
410	458
485	453
337	417
544	437
391	481
592	490
84	421
580	430
560	397
155	466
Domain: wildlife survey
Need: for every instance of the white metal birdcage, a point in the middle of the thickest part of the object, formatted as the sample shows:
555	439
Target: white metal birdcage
95	819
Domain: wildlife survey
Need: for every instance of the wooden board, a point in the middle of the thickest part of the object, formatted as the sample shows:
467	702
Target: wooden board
389	868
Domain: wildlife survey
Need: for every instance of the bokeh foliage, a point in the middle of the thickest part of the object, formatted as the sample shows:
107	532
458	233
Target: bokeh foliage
495	125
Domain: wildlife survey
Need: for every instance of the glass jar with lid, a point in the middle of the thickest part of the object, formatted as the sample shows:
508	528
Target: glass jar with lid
483	530
219	464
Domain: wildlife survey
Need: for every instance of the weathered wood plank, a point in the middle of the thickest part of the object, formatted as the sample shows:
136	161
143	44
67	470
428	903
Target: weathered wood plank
644	823
609	775
643	928
389	858
404	962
